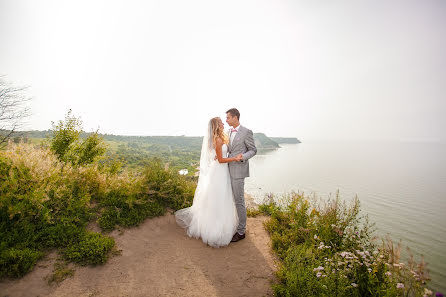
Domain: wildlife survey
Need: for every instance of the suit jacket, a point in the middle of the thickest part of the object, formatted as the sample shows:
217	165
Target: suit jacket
243	144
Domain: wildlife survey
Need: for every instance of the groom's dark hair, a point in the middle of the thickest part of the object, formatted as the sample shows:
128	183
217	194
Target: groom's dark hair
234	112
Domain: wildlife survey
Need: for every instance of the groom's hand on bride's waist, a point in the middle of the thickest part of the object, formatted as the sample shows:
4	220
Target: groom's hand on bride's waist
239	157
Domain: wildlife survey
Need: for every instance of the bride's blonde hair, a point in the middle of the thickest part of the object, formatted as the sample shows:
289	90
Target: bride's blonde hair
217	132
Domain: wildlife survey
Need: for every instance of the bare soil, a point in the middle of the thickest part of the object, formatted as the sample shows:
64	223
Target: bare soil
159	259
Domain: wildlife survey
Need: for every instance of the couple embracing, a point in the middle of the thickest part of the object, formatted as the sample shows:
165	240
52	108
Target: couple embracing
218	211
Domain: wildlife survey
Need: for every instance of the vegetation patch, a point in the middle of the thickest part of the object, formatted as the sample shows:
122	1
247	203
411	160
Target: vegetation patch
51	191
328	249
92	248
60	272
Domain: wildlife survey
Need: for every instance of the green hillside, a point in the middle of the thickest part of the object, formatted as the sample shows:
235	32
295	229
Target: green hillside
176	152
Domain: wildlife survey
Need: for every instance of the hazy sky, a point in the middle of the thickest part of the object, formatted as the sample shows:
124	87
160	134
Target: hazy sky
309	69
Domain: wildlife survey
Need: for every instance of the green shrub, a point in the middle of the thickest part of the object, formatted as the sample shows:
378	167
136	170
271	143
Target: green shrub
89	150
17	262
93	248
60	235
167	187
263	209
129	201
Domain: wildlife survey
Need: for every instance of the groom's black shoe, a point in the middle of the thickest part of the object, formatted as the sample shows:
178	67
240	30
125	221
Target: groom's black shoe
237	237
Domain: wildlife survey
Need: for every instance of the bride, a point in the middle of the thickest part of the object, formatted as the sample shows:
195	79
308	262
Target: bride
213	215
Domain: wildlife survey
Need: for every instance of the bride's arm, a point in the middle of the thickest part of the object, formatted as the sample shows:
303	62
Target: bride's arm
218	151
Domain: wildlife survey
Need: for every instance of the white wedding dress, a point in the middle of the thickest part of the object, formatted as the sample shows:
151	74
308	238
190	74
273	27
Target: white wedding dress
213	215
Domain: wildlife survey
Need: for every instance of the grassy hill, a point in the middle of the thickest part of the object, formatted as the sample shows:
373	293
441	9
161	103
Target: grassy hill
177	152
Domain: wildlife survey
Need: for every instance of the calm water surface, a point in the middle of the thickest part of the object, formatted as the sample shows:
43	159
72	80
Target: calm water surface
401	186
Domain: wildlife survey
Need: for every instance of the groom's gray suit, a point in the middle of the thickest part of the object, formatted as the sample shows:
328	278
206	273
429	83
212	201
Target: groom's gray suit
244	144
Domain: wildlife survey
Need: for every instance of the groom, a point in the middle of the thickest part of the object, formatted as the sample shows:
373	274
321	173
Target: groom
241	141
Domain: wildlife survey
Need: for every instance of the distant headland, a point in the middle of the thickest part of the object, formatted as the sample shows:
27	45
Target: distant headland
265	142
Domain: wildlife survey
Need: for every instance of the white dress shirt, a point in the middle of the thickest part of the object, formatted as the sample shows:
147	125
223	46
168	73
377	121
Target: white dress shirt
233	134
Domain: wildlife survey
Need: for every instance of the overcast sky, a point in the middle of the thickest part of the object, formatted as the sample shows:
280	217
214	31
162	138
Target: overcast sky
308	69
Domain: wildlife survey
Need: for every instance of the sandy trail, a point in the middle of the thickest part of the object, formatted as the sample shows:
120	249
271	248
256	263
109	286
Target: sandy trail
159	259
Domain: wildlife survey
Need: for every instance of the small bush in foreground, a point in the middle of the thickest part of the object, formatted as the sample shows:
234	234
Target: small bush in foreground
16	262
93	248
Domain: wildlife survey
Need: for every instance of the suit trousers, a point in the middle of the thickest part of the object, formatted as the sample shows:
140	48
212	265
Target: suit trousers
238	191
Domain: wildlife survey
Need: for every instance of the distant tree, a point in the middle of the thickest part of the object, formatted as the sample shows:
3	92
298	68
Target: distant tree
13	110
65	135
90	149
66	144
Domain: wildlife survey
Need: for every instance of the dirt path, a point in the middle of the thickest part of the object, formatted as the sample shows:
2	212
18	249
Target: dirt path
159	259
